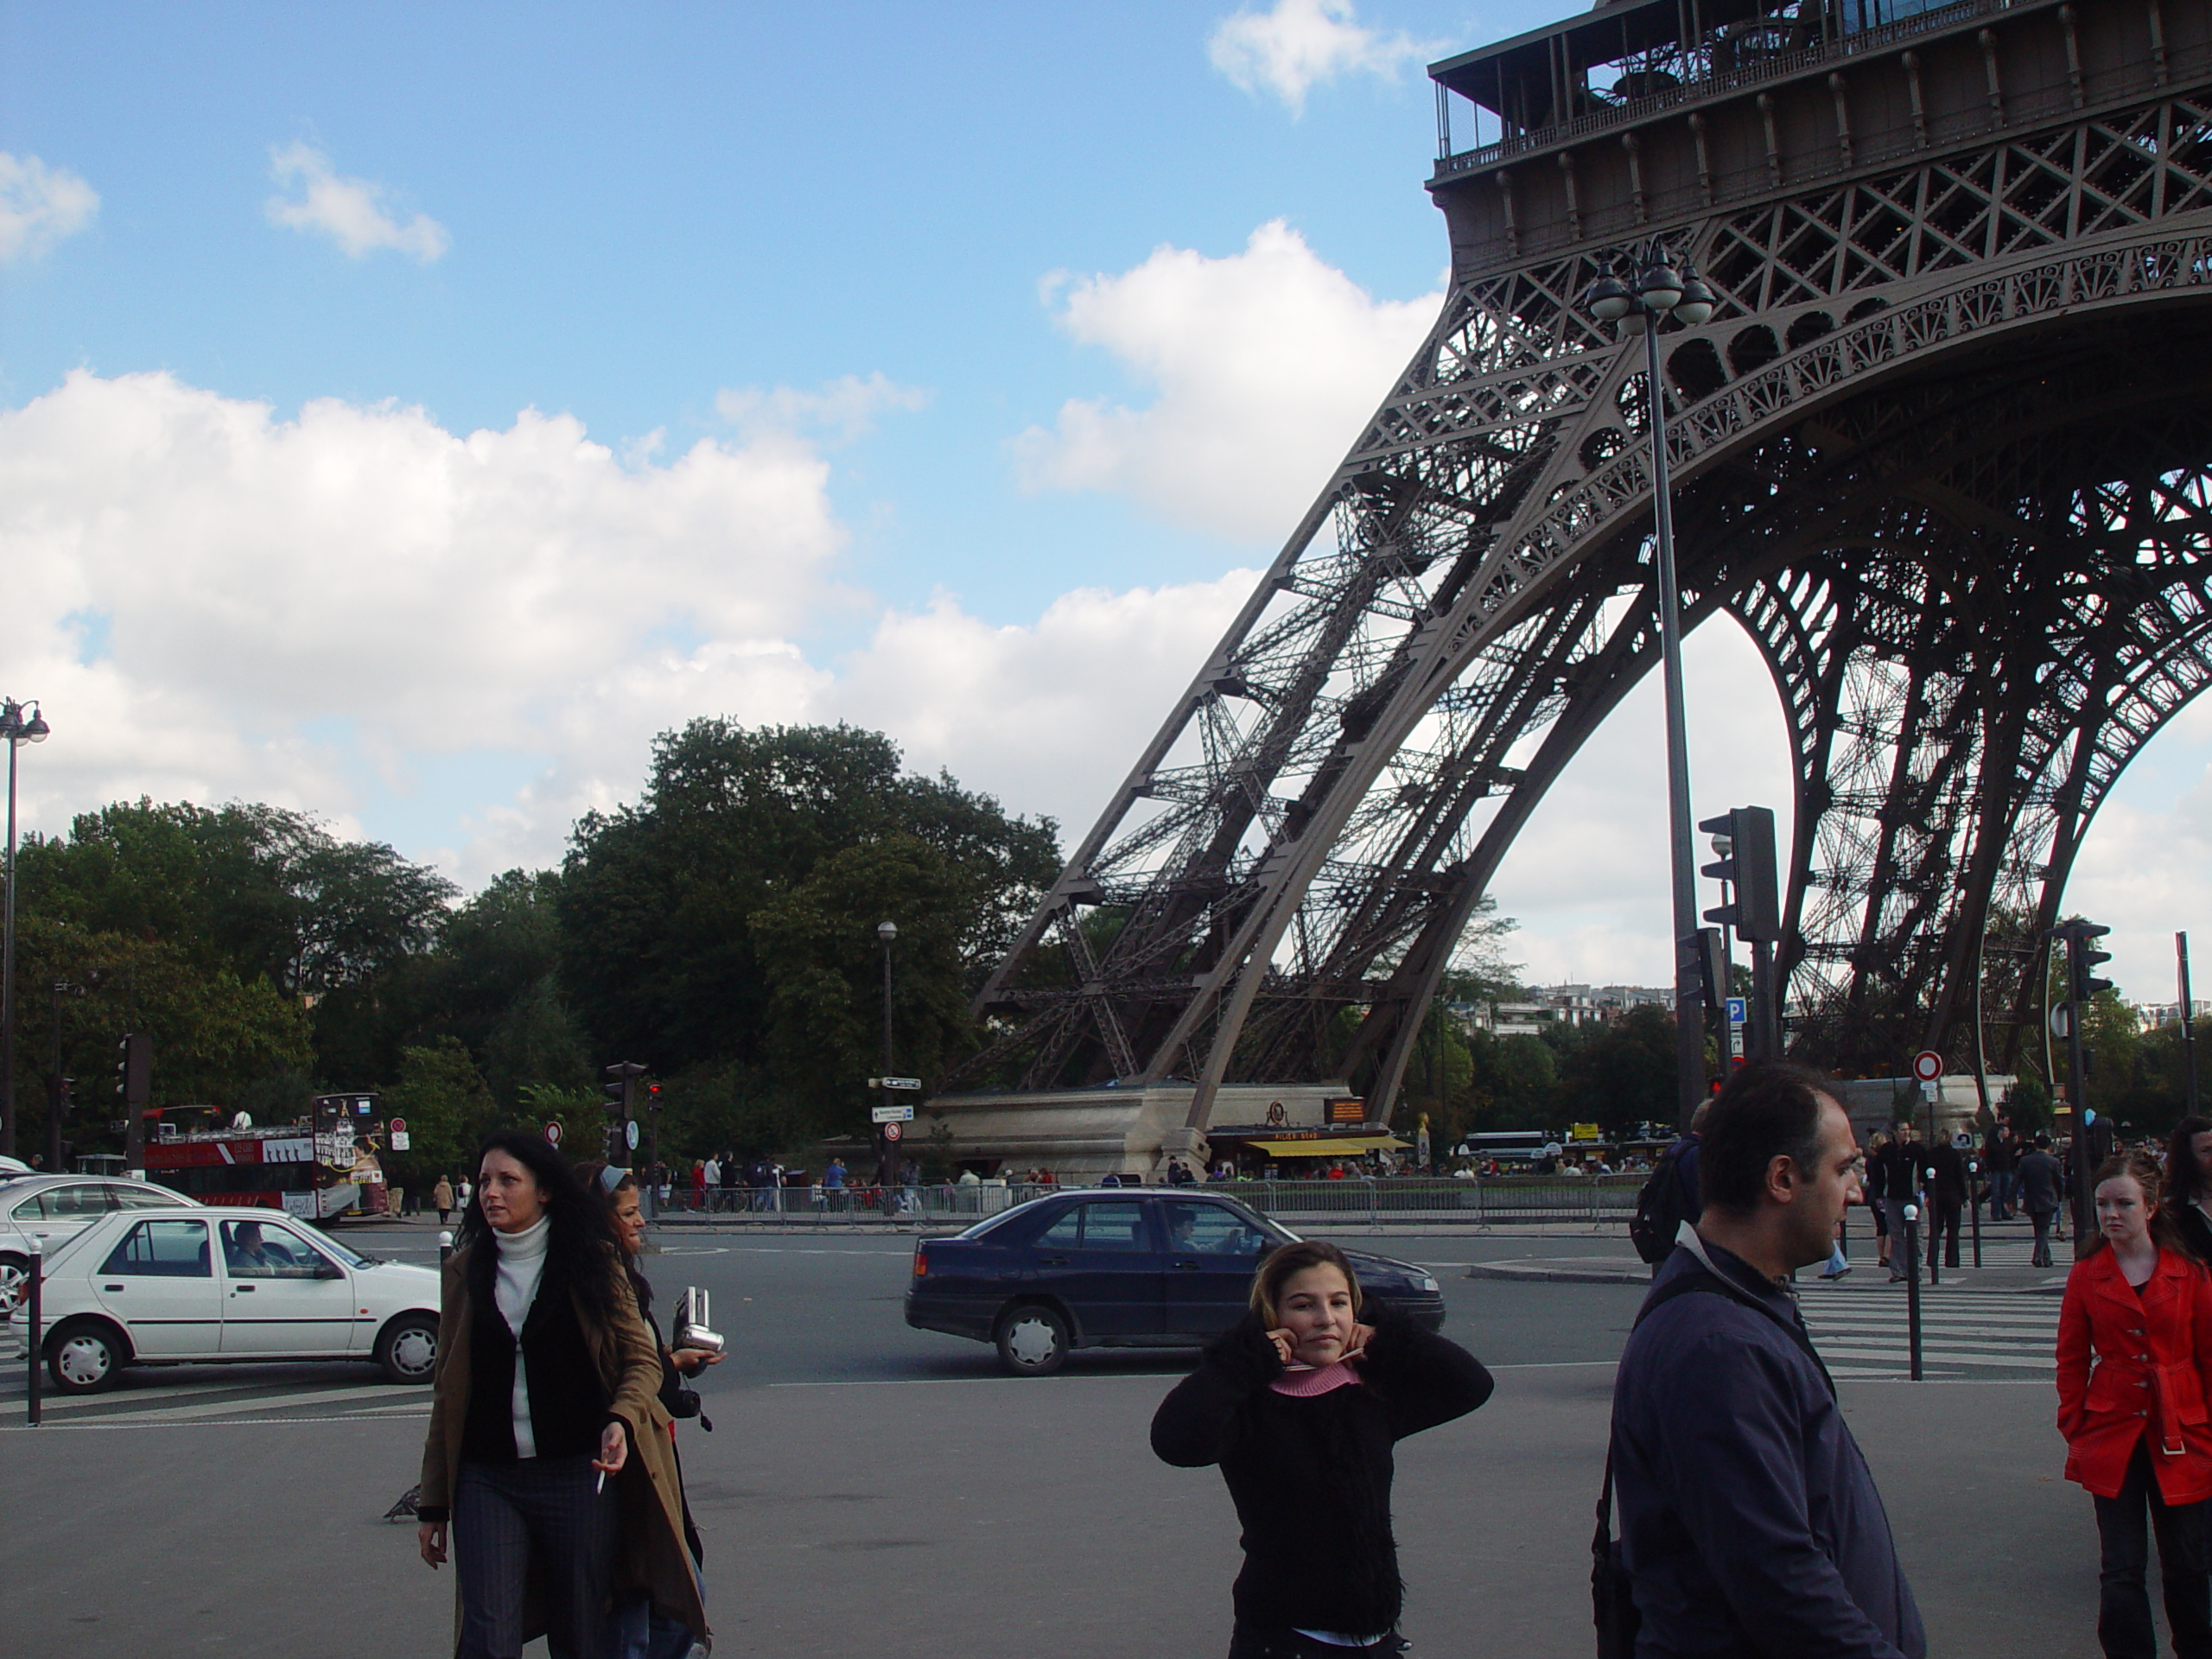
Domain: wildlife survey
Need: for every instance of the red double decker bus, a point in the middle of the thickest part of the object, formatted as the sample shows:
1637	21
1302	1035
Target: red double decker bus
324	1167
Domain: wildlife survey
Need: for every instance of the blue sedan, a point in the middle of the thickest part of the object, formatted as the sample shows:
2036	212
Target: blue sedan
1117	1270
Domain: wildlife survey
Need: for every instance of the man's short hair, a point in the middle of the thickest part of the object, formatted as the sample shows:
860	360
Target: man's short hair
1768	1109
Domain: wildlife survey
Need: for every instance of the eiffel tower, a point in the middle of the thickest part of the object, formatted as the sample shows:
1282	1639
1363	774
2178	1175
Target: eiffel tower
1943	449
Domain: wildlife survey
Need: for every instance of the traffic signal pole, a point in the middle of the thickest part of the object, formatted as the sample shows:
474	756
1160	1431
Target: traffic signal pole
2082	987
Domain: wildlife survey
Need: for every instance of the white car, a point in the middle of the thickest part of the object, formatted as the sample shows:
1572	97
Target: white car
193	1284
51	1208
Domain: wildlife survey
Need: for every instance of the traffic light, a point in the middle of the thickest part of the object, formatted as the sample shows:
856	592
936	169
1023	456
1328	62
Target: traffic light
2083	956
1712	969
1747	865
622	1080
134	1072
64	1096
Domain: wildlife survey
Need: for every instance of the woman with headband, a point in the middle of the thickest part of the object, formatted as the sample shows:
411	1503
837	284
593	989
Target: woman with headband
643	1624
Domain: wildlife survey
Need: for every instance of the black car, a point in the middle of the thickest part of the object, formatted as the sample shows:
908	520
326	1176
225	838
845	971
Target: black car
1117	1270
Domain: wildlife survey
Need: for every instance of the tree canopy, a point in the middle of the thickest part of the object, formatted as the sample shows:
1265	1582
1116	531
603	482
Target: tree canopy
722	930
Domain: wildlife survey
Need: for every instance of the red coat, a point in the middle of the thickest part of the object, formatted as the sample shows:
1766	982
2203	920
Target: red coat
2152	1372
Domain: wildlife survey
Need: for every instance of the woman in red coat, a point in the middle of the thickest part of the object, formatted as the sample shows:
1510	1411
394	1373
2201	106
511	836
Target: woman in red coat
2134	1415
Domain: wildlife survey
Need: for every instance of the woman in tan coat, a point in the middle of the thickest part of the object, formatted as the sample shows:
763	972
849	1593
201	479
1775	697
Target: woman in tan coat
549	1451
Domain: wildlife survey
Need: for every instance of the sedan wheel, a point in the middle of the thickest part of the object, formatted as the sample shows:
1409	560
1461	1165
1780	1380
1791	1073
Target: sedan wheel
15	1273
1033	1341
408	1349
84	1359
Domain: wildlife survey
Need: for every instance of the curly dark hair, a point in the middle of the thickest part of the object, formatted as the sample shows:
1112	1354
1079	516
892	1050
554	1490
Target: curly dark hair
580	1248
2184	1180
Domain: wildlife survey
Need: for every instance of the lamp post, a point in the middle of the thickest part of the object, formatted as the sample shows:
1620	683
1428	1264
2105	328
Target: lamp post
1665	286
887	1174
19	724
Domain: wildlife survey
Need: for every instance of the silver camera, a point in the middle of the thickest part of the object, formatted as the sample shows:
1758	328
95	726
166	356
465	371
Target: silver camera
691	1323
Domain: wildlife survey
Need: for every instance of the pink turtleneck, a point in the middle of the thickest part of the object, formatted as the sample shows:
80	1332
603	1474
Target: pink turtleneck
1305	1382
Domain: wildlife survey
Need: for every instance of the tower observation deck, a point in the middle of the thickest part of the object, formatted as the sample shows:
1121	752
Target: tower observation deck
1943	450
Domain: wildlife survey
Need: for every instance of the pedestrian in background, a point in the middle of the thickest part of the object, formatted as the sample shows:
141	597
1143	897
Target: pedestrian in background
659	1599
1900	1183
1875	1187
1300	1405
1944	1168
2042	1189
2188	1186
545	1386
441	1199
1749	1522
1998	1153
2134	1376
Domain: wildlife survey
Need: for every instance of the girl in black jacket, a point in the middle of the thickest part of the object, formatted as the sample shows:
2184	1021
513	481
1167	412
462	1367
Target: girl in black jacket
1300	1405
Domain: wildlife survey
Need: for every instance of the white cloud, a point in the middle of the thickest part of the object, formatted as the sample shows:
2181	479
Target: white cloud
350	212
844	409
1267	364
1302	44
40	205
215	603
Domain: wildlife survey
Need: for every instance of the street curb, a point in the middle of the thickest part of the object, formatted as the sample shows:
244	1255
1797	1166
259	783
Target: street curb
1548	1274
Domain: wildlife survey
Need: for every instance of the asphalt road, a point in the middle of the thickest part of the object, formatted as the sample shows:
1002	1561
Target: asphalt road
871	1488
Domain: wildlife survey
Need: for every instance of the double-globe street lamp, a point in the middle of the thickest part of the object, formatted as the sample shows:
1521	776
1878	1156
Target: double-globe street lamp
19	724
1663	286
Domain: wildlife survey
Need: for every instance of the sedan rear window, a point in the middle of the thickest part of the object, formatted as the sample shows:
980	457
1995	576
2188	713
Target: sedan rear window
162	1250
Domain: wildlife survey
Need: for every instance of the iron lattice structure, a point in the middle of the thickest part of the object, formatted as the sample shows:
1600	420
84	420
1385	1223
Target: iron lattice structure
1943	450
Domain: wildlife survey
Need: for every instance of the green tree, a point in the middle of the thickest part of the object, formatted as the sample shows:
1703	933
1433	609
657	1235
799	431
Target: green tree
1618	1073
701	926
216	1038
441	1096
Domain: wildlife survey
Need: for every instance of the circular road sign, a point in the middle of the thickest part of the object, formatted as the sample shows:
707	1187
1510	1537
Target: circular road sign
1928	1065
891	1131
553	1131
397	1126
630	1133
2061	1022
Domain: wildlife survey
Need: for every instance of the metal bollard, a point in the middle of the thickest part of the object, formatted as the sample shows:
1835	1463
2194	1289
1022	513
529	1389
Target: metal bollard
1935	1238
1912	1287
445	1247
34	1310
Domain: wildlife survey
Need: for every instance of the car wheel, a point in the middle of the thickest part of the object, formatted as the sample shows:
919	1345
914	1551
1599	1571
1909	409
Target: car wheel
84	1358
407	1348
1033	1340
14	1274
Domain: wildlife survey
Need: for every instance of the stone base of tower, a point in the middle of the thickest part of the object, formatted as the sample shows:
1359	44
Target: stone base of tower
1081	1134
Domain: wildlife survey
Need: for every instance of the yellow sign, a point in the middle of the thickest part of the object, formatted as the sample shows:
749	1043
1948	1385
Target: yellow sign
1583	1132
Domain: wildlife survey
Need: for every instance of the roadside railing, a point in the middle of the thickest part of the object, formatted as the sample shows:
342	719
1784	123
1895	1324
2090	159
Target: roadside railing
1497	1200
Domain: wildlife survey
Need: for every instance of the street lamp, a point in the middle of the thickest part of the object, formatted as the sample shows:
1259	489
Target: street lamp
1665	286
19	724
885	1172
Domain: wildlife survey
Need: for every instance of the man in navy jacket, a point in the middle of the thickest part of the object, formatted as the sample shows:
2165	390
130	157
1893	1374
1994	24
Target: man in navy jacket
1749	1523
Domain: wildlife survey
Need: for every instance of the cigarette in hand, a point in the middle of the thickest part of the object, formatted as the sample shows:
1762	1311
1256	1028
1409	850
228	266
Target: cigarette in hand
599	1485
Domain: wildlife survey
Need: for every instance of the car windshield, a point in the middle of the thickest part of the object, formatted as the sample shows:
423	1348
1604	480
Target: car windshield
351	1258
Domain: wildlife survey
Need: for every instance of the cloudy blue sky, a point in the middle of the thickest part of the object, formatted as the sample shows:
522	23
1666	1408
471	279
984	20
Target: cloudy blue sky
407	410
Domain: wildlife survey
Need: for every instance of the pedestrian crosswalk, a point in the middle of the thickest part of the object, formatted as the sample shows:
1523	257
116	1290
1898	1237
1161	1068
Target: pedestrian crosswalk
211	1395
1862	1331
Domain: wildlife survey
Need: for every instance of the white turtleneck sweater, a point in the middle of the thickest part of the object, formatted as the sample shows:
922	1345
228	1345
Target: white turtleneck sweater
522	1264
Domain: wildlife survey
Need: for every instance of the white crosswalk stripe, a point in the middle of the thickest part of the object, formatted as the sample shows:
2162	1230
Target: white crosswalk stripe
1864	1332
209	1393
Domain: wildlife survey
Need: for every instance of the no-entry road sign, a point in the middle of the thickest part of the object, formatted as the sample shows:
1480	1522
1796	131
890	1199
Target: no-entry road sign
1928	1065
553	1131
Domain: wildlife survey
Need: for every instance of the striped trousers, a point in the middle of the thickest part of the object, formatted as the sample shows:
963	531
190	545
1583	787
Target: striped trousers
541	1513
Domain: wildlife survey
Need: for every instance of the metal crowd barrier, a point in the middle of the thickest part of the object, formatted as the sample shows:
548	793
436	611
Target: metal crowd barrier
1507	1199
